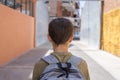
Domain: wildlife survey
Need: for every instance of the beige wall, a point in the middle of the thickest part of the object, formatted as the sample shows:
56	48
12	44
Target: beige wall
111	27
16	34
111	32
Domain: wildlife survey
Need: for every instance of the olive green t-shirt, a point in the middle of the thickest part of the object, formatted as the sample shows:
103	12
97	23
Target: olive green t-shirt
62	57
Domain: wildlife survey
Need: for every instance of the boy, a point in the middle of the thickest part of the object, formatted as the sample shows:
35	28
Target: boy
60	34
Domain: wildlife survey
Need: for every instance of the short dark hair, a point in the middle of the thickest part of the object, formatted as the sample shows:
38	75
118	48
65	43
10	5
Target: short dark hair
60	30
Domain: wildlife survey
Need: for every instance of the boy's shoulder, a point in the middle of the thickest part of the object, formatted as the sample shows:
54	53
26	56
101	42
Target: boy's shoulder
52	59
41	62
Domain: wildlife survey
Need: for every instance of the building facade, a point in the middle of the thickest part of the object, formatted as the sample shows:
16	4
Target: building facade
68	9
42	20
23	6
91	23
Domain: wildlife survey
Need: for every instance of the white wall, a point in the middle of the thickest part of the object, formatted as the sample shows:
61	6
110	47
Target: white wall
90	24
41	22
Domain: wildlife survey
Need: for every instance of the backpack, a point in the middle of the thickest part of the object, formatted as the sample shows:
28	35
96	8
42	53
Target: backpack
62	71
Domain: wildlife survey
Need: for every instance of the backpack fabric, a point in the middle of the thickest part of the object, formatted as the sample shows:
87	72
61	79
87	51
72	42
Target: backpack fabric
62	71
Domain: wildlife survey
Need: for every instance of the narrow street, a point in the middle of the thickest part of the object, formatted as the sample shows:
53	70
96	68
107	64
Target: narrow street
24	27
21	67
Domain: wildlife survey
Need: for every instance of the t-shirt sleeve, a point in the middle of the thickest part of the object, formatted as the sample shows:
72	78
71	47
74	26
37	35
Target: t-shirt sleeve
38	69
84	69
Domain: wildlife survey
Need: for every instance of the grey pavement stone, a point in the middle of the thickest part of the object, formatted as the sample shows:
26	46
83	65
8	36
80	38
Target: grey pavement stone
14	73
29	58
95	70
21	67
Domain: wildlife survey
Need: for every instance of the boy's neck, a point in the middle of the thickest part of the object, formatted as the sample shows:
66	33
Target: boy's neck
61	48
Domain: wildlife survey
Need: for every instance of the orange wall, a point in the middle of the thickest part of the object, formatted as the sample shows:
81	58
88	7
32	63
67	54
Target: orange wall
110	5
16	33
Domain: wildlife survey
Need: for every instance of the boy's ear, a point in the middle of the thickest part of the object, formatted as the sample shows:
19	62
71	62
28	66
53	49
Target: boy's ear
49	38
71	38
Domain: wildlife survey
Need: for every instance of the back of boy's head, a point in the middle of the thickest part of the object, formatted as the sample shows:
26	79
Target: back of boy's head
60	30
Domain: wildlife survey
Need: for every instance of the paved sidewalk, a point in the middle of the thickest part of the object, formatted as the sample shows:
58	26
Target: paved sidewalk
97	72
108	64
21	67
100	64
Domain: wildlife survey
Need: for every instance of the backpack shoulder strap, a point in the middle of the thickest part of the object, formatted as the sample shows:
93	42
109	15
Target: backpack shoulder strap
75	60
50	59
